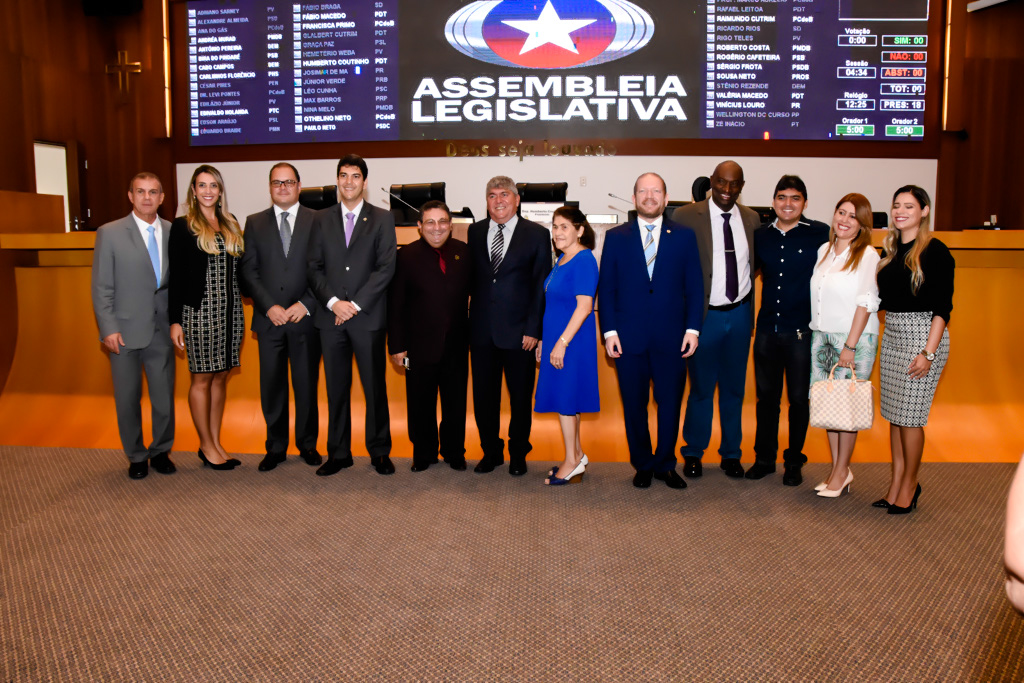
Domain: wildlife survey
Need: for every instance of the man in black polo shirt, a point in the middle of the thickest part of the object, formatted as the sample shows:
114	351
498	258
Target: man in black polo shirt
785	252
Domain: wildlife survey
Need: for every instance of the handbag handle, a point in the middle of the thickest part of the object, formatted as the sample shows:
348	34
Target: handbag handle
832	378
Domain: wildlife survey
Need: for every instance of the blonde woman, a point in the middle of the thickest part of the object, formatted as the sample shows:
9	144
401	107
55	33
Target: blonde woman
205	305
915	282
844	326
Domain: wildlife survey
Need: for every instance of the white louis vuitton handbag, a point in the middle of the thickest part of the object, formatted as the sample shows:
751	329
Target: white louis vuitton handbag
845	405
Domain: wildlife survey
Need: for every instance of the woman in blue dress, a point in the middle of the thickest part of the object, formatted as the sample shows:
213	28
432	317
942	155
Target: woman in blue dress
567	383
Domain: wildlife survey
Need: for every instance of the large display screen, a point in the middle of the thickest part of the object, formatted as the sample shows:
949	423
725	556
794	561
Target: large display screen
268	71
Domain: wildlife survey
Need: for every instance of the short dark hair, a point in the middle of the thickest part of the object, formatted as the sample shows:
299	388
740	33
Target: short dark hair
435	204
791	182
283	164
353	160
579	219
144	175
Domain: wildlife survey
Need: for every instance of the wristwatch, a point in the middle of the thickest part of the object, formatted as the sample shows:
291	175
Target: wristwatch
927	356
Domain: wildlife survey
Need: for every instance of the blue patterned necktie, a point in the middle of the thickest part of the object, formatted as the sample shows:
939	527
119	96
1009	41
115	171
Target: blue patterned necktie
154	253
650	251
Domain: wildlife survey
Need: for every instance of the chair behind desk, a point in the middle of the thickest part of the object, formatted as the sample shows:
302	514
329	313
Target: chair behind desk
407	198
318	198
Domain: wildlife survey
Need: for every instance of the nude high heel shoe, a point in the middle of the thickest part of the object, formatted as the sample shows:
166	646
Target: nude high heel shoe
829	493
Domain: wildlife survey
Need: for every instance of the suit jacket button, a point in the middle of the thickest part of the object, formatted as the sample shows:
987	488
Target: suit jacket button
346	267
651	291
495	280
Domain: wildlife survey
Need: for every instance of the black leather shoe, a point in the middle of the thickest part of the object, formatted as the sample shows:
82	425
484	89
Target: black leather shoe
760	470
732	468
333	466
421	466
792	477
671	478
692	468
138	470
162	464
485	466
383	465
311	457
642	479
271	461
457	465
517	468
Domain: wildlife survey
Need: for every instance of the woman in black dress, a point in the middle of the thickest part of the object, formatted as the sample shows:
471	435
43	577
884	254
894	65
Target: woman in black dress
205	305
915	283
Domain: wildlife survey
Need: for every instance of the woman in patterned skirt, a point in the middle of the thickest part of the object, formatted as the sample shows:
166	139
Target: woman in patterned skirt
844	298
205	305
915	281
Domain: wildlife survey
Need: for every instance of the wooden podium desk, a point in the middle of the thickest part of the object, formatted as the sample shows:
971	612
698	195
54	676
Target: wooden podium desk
59	390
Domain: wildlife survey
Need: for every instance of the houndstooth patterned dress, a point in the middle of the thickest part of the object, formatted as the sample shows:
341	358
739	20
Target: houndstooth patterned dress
213	332
906	401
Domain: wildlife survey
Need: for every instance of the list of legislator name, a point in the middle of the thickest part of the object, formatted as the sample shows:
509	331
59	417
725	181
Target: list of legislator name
292	71
815	69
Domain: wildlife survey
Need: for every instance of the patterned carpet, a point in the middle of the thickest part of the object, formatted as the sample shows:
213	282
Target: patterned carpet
455	576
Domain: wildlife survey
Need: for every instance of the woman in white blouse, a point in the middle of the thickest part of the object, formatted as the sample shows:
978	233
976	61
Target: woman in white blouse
844	299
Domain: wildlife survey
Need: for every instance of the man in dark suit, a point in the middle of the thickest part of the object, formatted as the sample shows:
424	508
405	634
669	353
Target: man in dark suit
428	333
273	272
129	298
650	303
351	262
511	258
725	237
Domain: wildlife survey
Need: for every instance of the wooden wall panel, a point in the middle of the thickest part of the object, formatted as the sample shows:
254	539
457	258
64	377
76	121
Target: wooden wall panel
980	169
54	59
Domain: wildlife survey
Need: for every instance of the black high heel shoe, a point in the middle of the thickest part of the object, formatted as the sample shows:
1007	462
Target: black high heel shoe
881	503
229	464
897	510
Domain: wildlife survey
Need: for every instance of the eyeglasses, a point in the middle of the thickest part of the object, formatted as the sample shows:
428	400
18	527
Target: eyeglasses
287	183
443	223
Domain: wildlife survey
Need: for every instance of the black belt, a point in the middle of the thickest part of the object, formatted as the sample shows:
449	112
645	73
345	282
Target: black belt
734	304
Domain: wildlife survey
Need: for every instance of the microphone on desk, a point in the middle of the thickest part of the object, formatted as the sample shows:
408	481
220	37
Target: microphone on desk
401	200
615	196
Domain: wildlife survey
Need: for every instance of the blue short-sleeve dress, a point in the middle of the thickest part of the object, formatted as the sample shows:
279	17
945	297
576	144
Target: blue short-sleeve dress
573	389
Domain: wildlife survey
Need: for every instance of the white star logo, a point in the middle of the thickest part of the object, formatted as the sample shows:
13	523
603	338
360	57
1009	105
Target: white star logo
549	28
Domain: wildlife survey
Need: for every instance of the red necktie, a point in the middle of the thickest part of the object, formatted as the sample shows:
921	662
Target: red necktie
440	260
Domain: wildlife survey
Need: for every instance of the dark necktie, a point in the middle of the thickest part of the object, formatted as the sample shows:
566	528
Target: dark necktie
286	232
732	280
497	247
440	261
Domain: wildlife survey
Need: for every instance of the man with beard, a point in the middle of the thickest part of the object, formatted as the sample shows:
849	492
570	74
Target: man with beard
650	304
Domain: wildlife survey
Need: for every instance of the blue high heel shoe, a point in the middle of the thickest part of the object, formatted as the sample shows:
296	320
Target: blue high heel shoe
575	476
583	461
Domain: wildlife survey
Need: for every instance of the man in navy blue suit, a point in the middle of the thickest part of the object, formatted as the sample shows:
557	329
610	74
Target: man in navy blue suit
651	305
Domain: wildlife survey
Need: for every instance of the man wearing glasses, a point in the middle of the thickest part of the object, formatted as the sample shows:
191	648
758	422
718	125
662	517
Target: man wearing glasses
428	334
273	273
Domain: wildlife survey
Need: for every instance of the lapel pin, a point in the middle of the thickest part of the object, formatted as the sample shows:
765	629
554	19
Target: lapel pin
456	257
669	232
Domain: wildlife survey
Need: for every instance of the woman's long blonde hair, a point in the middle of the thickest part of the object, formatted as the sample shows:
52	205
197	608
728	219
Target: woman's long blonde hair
924	235
862	241
201	228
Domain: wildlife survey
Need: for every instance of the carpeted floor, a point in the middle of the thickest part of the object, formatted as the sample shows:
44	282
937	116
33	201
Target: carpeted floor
443	575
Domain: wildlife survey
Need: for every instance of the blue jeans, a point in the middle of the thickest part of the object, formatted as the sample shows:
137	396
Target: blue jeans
720	360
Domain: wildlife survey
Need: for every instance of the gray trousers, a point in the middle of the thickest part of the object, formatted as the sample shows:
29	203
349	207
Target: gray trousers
157	360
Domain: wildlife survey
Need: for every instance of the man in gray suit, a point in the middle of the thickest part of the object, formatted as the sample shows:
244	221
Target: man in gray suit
725	240
351	262
129	298
273	272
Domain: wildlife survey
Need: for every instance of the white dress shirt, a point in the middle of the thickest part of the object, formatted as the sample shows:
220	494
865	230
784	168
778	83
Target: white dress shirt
739	239
836	293
492	230
157	235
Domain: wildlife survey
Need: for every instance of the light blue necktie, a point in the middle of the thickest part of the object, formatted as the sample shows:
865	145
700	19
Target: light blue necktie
154	253
650	251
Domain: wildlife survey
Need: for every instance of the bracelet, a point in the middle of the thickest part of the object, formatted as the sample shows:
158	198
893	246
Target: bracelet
562	339
849	348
